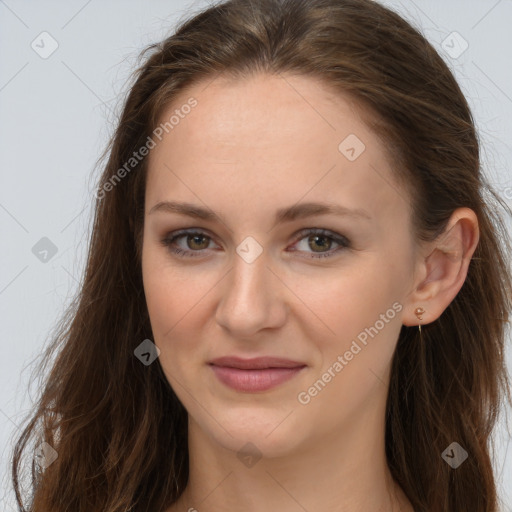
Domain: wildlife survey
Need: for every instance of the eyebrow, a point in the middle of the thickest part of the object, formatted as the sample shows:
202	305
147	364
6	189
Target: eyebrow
288	214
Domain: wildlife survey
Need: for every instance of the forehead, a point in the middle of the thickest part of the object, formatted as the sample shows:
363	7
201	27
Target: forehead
276	137
267	112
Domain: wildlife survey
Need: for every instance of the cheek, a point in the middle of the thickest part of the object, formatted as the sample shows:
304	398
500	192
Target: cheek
361	308
348	299
173	315
172	335
170	300
179	312
169	292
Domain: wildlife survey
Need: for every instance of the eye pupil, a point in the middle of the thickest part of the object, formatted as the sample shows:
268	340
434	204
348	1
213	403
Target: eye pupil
194	237
316	237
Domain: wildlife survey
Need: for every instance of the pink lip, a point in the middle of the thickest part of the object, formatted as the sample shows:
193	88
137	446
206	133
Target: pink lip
258	374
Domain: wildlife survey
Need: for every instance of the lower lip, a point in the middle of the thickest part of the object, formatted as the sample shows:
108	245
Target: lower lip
254	380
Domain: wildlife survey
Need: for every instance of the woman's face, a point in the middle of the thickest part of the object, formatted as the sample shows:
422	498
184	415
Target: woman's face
253	282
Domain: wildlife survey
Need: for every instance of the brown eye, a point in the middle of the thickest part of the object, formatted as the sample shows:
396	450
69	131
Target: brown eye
196	242
192	241
320	241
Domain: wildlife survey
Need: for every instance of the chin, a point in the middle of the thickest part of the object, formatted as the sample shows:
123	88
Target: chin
267	435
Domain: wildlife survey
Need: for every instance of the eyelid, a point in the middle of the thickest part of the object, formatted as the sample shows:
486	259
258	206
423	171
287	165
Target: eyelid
343	242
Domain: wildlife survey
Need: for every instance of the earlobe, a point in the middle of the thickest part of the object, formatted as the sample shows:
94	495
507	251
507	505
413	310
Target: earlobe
445	268
419	313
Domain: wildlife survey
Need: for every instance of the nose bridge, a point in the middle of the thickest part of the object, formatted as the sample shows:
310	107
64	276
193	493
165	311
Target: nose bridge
249	300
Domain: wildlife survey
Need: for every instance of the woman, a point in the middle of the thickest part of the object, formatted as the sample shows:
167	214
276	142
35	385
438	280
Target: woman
296	290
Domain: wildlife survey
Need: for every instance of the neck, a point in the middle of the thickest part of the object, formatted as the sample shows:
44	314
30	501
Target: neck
336	471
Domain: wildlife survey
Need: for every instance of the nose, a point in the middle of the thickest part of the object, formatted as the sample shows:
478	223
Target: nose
253	297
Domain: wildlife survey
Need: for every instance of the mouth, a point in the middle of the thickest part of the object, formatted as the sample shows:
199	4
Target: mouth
253	375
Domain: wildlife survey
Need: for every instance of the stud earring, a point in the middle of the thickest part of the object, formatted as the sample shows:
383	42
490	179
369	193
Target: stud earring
419	312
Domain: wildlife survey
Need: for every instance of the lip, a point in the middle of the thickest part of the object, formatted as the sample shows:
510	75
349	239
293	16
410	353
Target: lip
257	374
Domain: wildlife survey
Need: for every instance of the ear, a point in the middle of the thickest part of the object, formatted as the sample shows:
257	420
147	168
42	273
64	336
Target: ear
442	268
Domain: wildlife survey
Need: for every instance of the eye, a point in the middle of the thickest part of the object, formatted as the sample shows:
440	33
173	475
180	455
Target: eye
194	239
315	238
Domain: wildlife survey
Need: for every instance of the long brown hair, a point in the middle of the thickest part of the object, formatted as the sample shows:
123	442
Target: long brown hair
118	428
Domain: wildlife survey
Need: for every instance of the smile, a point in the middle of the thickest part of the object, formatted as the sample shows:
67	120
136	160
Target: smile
256	374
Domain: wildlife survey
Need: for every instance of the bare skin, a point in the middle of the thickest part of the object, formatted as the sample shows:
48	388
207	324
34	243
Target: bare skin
246	150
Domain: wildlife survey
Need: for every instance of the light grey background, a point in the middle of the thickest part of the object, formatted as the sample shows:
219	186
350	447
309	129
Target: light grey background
57	112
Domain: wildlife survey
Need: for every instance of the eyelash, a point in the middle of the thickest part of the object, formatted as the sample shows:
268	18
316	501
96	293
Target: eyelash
339	239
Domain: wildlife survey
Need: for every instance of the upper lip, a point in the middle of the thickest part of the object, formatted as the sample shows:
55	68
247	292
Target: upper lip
256	363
